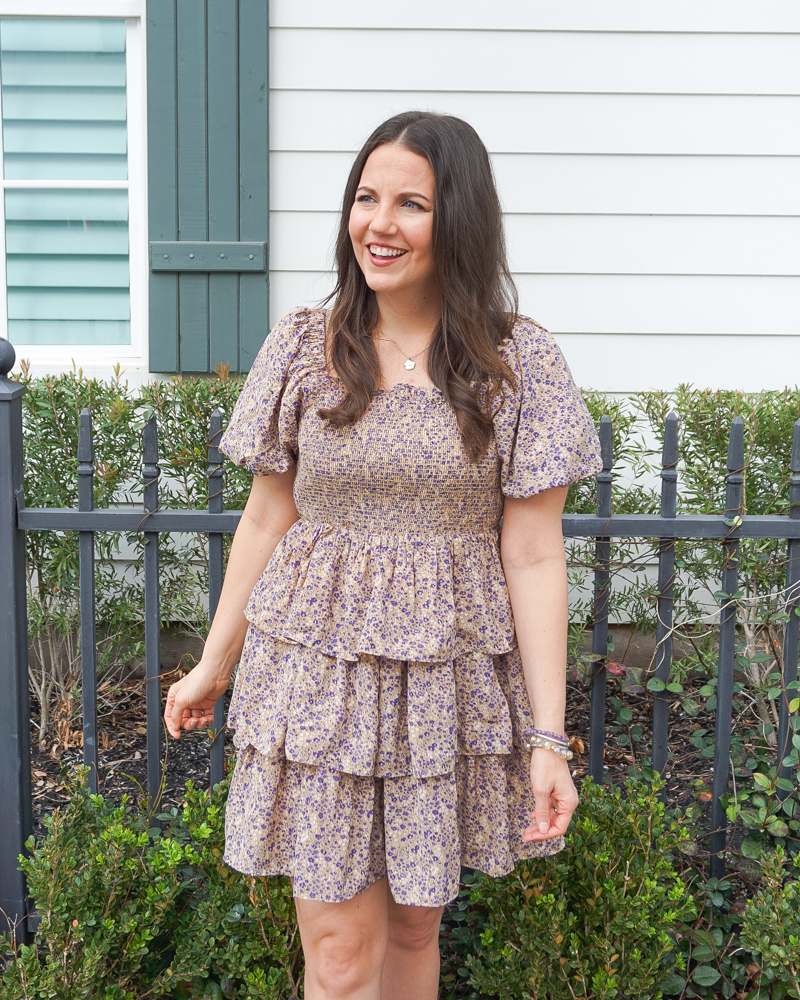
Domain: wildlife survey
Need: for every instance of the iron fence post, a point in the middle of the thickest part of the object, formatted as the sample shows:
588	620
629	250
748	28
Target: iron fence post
727	646
602	597
666	591
152	613
216	486
791	638
15	751
87	599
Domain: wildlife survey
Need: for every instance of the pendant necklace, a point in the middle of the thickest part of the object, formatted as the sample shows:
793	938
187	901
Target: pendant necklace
409	363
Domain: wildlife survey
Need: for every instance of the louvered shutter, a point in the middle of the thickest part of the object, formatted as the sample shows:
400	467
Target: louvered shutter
208	189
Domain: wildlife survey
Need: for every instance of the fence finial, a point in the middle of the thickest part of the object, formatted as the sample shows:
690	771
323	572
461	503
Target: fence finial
736	446
7	356
606	435
794	477
795	464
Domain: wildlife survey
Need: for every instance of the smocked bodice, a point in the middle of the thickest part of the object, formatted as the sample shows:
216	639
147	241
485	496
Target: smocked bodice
396	552
400	470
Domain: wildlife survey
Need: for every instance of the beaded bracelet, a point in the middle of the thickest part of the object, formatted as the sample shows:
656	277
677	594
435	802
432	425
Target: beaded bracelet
562	738
535	741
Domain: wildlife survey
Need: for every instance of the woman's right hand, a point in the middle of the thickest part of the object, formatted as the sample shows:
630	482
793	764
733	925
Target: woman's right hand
268	514
191	700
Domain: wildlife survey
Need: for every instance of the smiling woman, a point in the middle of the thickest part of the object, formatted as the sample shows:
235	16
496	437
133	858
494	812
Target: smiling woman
394	202
422	184
394	649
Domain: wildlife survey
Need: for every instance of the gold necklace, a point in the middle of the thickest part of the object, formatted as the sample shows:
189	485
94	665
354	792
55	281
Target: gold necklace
409	363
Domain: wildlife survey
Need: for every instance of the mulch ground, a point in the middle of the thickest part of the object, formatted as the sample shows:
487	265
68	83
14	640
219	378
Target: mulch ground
122	737
686	769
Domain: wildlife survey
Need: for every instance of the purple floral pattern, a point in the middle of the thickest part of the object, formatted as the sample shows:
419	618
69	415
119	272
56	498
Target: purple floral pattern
379	700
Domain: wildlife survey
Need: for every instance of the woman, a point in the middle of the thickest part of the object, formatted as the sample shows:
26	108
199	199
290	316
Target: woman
386	692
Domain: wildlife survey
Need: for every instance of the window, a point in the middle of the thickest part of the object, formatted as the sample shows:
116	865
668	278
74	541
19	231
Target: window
73	205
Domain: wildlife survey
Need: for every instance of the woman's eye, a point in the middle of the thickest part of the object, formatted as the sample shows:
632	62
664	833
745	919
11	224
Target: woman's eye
413	204
364	197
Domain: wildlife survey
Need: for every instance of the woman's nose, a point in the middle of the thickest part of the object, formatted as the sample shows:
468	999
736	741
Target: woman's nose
383	220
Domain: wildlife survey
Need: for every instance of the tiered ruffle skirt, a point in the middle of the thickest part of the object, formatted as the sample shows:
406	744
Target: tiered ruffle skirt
351	771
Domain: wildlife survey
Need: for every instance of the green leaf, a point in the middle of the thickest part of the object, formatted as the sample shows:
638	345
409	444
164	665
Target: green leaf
655	684
761	779
704	975
702	935
752	849
673	984
777	827
675	688
794	705
750	818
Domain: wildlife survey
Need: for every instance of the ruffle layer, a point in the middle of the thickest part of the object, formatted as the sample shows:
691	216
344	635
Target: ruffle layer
336	833
376	717
347	593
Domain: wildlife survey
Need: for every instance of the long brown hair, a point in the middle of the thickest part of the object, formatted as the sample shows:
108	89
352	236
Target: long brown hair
479	300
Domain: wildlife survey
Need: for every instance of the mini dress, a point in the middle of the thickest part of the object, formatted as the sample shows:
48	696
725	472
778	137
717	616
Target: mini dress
379	701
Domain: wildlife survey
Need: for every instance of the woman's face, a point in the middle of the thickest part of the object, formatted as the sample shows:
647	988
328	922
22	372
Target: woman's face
391	222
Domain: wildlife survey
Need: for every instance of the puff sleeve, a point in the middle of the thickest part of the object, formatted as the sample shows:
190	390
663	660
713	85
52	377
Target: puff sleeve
544	432
262	433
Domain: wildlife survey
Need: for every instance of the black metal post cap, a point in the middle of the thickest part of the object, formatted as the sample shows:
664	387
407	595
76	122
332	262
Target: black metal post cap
7	357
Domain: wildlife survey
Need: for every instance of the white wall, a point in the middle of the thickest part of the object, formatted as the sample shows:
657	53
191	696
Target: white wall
647	157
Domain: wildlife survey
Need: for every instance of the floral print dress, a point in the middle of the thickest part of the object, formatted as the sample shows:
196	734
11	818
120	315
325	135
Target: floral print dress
379	700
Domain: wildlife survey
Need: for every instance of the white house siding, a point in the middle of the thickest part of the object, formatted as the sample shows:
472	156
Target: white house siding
647	156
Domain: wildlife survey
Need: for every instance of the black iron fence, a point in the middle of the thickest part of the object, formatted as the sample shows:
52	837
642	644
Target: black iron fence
729	527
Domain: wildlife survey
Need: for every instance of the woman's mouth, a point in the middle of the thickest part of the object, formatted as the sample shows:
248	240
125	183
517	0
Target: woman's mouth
382	256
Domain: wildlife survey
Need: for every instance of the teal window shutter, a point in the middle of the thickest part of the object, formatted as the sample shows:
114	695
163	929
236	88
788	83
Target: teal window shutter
208	152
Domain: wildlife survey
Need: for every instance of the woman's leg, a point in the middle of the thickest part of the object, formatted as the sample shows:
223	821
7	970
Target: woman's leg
344	945
411	969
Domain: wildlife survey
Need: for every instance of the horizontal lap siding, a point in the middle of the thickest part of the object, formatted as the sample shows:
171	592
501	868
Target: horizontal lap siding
648	173
592	244
553	123
580	184
544	15
640	305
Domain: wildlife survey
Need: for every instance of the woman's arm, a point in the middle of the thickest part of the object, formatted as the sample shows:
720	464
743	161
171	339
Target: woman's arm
532	552
268	515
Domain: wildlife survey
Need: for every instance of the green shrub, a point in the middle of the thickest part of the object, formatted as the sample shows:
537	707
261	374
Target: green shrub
238	933
51	410
131	912
771	929
595	921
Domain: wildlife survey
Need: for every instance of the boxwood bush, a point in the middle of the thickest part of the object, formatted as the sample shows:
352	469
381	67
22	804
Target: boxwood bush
596	921
132	911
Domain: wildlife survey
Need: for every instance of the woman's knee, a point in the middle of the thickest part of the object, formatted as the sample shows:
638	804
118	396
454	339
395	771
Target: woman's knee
346	959
414	928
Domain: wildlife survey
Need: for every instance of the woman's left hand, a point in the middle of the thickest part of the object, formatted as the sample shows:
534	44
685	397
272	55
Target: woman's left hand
555	794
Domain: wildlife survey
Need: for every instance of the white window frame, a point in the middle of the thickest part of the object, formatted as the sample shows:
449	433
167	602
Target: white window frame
133	356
